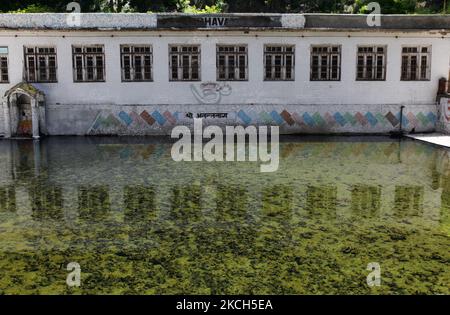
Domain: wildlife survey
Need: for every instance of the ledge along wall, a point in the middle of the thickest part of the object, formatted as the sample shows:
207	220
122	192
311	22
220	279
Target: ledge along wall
300	106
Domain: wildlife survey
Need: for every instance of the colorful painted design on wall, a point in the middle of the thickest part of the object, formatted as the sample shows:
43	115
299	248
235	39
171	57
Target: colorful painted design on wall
317	119
122	122
108	122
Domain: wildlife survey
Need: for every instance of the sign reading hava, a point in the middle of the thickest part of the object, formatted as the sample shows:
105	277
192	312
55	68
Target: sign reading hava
192	21
215	21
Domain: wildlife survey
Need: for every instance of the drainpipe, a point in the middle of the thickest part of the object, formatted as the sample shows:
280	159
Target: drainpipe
401	118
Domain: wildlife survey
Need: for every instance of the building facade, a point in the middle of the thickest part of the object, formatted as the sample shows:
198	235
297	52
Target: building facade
143	74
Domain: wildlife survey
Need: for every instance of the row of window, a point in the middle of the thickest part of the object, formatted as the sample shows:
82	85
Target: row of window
232	63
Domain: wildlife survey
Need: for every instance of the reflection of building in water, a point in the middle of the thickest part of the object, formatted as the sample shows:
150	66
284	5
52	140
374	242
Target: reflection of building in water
140	210
408	200
275	231
94	178
186	203
46	201
22	160
231	202
139	203
277	201
366	200
8	198
441	179
93	201
321	200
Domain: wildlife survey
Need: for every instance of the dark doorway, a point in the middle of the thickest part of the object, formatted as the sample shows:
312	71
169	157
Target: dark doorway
25	125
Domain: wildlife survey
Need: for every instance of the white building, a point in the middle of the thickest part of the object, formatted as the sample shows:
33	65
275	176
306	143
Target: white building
133	74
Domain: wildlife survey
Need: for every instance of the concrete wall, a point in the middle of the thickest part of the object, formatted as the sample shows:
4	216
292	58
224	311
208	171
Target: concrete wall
443	124
73	107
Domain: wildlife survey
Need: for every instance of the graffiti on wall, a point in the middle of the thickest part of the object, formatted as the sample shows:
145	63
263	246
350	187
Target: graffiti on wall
211	92
109	122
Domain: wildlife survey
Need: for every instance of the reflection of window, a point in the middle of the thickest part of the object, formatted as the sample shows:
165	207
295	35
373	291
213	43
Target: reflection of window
326	63
40	64
277	200
8	198
136	62
366	199
232	63
46	202
371	63
88	63
408	200
4	78
321	200
186	202
445	197
278	62
231	200
416	63
93	201
139	202
184	62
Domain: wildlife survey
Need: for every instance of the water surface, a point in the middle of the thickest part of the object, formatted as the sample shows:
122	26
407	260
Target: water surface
139	223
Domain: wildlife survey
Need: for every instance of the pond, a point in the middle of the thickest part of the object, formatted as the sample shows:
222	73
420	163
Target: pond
137	222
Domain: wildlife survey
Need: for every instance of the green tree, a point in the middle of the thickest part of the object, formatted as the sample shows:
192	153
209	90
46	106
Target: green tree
213	6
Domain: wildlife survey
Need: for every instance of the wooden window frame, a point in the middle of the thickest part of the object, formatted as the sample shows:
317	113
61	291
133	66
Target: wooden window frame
81	55
180	54
4	66
326	53
232	55
411	54
132	55
366	72
33	72
271	52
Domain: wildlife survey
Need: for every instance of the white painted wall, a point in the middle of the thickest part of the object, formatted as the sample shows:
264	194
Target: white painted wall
300	91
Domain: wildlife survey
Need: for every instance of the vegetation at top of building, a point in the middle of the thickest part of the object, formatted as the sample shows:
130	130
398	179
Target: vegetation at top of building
218	6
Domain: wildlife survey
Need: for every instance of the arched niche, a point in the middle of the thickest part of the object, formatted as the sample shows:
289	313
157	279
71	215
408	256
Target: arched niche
24	111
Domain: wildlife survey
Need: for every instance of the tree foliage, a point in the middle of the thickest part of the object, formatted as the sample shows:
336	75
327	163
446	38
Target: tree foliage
216	6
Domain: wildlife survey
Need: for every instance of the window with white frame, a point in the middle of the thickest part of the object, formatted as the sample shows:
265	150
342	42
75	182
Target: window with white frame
136	62
184	62
279	62
232	63
88	63
4	78
325	63
416	63
40	64
371	63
